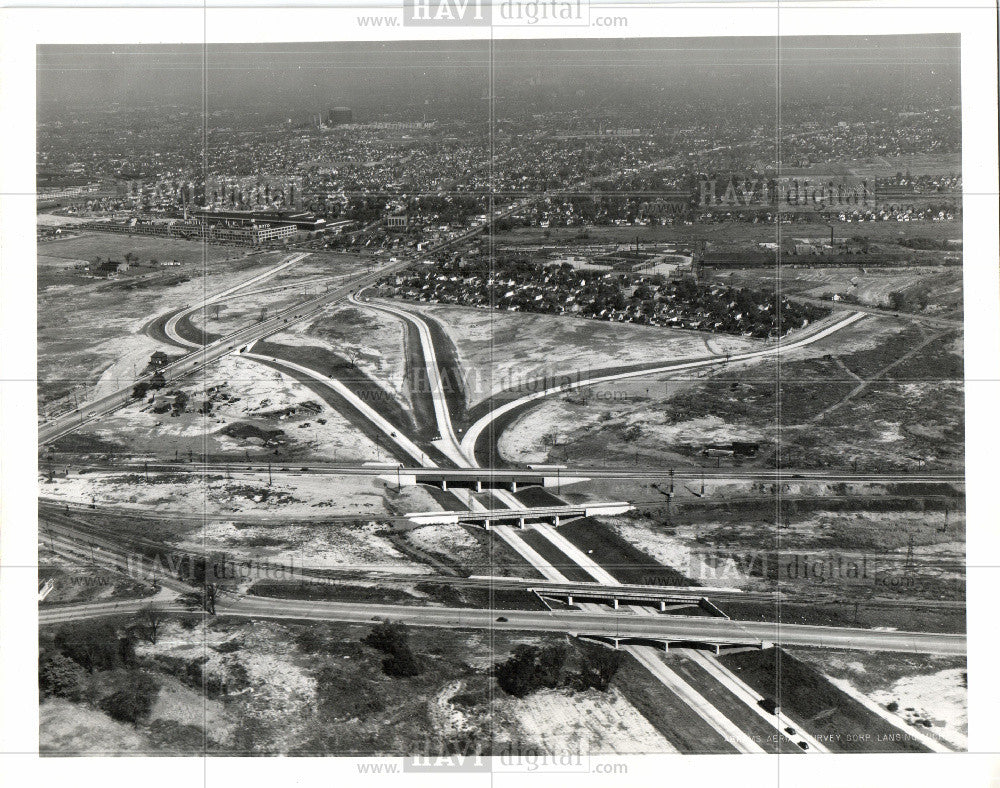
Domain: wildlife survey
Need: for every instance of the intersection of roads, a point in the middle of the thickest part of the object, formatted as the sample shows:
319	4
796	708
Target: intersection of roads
620	615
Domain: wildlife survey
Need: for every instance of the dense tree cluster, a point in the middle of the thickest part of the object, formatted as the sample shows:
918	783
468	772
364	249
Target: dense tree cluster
394	641
520	285
532	668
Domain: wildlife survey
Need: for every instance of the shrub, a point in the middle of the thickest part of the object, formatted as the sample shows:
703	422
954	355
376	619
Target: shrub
599	667
393	639
60	676
403	663
388	637
134	700
92	644
530	669
342	697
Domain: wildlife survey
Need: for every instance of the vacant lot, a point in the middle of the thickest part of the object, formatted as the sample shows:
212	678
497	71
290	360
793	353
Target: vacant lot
236	410
920	688
218	495
107	347
501	350
89	245
888	399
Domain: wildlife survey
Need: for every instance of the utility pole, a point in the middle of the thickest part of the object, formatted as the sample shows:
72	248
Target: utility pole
268	473
145	468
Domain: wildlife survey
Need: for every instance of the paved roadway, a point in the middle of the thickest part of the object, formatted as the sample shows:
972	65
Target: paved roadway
565	474
94	409
610	625
627	625
448	444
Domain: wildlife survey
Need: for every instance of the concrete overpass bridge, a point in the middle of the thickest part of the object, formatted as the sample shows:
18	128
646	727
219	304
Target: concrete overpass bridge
713	644
480	479
489	517
616	595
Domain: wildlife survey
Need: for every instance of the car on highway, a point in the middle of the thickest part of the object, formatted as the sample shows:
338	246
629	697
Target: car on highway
502	619
790	731
803	745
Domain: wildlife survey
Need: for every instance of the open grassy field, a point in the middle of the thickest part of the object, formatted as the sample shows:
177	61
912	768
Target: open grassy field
938	288
89	245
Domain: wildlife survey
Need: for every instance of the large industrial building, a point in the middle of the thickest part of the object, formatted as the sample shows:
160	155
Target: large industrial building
338	116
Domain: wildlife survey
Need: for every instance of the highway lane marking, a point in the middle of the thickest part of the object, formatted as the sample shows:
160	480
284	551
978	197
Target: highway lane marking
695	701
751	697
449	443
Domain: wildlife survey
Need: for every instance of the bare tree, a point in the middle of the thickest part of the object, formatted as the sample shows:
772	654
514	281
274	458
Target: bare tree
211	594
150	618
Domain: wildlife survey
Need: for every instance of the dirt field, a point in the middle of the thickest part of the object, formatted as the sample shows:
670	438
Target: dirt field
107	345
878	396
941	288
498	350
308	497
256	413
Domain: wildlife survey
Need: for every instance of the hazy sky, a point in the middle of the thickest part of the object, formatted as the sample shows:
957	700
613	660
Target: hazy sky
376	75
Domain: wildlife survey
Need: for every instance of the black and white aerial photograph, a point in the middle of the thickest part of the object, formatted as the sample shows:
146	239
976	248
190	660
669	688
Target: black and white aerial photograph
479	404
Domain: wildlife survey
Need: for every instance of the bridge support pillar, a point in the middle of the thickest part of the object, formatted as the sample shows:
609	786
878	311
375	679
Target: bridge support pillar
569	599
520	523
557	520
513	487
717	649
444	485
663	606
614	603
666	645
479	485
615	642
